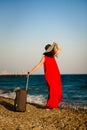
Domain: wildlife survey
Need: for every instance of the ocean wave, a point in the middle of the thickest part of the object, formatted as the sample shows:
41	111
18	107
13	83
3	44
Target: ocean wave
76	106
41	99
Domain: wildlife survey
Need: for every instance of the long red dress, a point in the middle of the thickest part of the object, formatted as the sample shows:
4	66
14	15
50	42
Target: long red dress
53	79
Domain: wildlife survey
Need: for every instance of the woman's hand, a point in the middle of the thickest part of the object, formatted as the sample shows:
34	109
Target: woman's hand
28	72
58	48
55	43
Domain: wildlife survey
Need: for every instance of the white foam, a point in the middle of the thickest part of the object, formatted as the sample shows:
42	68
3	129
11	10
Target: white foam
36	99
40	99
8	95
30	98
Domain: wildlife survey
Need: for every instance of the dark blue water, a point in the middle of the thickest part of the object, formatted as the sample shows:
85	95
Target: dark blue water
74	86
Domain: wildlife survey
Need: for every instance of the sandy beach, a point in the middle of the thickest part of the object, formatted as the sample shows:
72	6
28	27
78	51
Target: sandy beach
36	117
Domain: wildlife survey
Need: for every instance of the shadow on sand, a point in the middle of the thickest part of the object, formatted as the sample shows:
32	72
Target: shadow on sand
38	105
11	107
7	105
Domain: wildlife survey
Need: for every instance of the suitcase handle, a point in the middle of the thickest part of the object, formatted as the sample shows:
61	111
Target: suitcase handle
27	82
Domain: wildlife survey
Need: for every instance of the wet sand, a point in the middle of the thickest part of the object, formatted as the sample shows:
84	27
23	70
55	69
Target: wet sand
36	117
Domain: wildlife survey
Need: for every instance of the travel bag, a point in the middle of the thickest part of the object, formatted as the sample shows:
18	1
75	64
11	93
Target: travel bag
21	98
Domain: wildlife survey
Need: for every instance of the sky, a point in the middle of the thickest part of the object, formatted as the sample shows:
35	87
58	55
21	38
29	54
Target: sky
26	26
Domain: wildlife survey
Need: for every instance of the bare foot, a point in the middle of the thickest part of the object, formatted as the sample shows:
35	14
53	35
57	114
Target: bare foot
47	109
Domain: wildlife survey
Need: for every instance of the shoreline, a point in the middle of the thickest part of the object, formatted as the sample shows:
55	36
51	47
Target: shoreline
37	118
66	105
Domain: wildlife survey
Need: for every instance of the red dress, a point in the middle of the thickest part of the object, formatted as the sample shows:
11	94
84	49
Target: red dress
53	79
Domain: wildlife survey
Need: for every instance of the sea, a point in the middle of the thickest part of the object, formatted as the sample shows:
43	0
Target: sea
74	87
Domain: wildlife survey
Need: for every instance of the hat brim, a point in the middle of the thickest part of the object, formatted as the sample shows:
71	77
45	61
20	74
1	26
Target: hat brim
49	49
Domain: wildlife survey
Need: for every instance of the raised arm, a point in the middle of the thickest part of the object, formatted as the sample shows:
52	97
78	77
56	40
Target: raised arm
58	48
37	66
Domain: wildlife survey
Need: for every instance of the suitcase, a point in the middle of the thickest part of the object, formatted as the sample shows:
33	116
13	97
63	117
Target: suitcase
21	98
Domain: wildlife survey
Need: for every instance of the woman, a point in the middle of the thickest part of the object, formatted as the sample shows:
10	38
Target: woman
52	74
